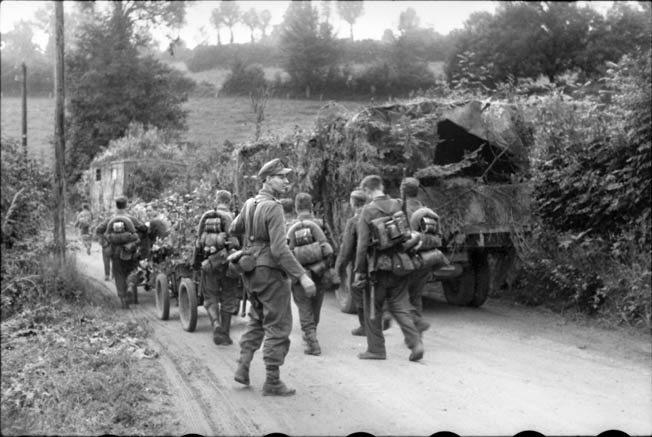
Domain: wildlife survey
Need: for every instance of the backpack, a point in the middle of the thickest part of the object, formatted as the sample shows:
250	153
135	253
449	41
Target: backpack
123	237
307	248
213	238
389	231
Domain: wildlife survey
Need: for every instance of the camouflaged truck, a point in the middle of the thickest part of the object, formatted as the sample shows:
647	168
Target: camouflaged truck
471	158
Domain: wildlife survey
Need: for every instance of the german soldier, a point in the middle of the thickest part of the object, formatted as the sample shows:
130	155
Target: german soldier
124	258
384	285
417	280
307	233
221	290
268	264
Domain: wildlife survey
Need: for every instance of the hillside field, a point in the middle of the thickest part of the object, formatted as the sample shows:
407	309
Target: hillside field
210	120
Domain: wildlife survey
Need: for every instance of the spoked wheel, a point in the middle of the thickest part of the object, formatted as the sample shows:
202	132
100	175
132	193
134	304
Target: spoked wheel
343	292
188	304
162	297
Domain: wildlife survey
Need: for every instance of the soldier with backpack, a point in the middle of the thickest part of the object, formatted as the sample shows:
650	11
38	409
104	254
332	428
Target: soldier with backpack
84	221
220	288
380	268
312	249
121	231
267	262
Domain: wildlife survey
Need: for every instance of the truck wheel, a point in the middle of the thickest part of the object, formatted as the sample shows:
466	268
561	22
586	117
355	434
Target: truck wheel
343	292
460	290
188	304
162	297
482	280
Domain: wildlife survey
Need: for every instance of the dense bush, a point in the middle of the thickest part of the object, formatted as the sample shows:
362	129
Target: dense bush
244	79
26	193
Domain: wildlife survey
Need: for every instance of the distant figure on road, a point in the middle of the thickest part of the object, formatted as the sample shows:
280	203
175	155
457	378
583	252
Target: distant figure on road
121	231
84	221
106	253
267	263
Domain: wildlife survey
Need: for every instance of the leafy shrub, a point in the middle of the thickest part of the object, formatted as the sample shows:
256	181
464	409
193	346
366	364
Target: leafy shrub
244	79
26	193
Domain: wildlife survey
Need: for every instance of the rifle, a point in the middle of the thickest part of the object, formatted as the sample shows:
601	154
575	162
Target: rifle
243	311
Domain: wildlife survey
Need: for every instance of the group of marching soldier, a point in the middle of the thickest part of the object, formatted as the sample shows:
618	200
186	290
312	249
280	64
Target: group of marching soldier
278	251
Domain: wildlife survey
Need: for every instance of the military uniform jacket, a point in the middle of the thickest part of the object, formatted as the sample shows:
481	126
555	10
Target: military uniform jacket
269	242
380	206
411	205
349	241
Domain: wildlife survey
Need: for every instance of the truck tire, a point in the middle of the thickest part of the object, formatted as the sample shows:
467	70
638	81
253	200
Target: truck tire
471	288
482	280
460	290
162	296
187	304
343	292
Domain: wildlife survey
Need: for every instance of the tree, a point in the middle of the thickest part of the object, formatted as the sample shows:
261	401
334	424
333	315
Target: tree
230	15
265	18
408	20
217	21
251	20
350	11
308	48
109	86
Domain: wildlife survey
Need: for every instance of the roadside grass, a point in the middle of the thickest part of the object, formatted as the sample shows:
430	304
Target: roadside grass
78	368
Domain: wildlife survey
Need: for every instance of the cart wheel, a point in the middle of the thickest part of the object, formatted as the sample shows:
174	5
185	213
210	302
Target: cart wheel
343	292
162	297
188	304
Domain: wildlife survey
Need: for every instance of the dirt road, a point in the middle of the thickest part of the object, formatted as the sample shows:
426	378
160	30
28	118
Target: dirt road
496	370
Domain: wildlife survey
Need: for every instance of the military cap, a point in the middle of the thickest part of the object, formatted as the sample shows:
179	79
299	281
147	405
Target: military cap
273	167
410	182
121	202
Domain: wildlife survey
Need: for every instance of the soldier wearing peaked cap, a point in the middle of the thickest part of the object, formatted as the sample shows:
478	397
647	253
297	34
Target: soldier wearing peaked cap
270	263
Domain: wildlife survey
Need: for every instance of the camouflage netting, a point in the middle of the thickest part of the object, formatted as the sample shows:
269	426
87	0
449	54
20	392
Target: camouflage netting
467	156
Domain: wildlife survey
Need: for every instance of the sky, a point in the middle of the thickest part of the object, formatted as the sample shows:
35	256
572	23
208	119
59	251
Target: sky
442	16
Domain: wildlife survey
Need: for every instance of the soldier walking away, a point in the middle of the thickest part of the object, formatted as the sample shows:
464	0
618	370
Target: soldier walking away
381	282
357	199
312	249
121	231
84	221
106	254
417	281
142	274
221	290
267	262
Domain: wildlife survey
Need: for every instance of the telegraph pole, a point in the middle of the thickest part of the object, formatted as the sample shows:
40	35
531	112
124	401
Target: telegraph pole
59	142
24	109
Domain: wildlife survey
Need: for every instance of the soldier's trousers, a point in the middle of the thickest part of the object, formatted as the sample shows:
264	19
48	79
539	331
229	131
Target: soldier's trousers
121	270
220	291
416	283
309	307
393	290
106	259
270	315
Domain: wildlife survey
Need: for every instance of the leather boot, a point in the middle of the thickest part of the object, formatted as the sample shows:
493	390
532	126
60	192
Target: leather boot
221	331
313	347
359	331
213	315
273	385
242	372
417	352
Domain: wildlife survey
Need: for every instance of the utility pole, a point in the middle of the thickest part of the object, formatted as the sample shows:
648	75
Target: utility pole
59	142
24	109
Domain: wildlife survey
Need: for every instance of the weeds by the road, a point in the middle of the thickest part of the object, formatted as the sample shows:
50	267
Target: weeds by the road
71	370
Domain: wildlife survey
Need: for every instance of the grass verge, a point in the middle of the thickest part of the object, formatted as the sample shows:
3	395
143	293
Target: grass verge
80	369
